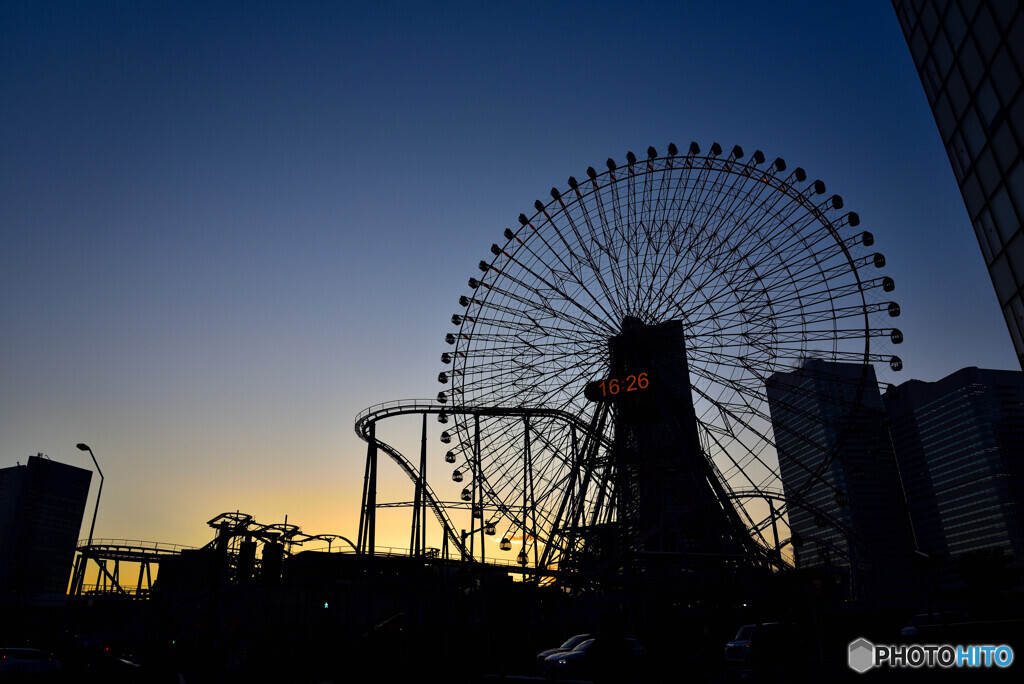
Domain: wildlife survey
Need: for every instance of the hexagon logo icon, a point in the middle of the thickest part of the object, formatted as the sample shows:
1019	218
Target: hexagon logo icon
861	655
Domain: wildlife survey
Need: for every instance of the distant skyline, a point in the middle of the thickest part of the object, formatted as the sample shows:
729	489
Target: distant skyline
229	228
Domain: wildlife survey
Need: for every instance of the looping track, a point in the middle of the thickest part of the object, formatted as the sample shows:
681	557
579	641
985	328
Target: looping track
368	418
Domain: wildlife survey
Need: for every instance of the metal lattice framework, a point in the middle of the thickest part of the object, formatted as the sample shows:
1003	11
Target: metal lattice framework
762	268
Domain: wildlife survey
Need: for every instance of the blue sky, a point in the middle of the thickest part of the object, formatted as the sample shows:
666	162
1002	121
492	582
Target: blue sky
229	228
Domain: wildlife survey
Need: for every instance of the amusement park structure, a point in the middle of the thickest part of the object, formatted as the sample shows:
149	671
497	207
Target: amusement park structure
604	402
242	551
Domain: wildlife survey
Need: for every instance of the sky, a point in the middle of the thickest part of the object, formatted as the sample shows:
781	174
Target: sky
229	227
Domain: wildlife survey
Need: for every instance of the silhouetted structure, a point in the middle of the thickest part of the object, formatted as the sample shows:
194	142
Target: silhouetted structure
672	510
846	511
41	509
959	443
970	56
647	303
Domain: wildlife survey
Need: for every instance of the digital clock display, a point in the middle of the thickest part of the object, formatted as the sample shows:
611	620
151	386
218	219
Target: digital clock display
613	389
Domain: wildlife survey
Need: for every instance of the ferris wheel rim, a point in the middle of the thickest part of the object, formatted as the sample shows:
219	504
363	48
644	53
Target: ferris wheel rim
655	167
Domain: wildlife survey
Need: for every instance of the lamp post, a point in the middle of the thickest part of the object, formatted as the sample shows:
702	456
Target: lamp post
85	447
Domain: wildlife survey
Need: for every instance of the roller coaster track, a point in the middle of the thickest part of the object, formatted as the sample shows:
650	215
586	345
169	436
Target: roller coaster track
827	517
119	550
405	407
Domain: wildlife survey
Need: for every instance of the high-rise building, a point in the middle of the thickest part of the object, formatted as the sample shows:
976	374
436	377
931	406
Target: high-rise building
959	443
970	56
41	508
839	475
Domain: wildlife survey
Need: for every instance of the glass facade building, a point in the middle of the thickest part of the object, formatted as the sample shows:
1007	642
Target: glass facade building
845	505
41	509
959	443
970	57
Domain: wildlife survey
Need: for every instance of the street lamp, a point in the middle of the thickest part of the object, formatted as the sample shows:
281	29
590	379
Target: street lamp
85	447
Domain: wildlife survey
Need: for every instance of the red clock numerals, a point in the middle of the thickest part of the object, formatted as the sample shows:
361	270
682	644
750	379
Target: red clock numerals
616	387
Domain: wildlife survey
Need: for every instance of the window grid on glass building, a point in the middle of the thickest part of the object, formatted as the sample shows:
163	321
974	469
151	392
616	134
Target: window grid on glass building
831	441
958	442
970	57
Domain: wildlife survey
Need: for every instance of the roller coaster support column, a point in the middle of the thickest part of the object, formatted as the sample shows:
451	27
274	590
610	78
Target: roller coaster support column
77	577
526	488
533	496
478	490
418	542
367	522
775	530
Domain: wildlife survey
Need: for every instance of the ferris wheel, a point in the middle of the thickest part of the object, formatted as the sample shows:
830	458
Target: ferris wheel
655	301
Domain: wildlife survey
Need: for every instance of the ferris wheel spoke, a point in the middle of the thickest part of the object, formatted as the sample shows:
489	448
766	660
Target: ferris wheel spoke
629	230
539	308
599	249
644	218
782	246
755	411
576	270
698	235
700	273
592	254
611	247
751	523
754	266
692	188
559	290
785	266
649	220
653	265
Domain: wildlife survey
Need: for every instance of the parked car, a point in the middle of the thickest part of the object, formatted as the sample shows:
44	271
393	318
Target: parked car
607	654
763	643
568	664
570	643
946	617
28	661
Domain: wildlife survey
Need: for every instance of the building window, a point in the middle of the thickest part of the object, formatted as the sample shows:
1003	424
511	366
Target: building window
1004	11
959	98
1005	75
1016	118
1002	278
1015	40
1014	323
1004	146
929	21
974	135
972	195
942	54
918	46
986	33
988	173
963	159
984	234
1015	183
956	27
944	116
970	62
1015	252
1004	216
988	105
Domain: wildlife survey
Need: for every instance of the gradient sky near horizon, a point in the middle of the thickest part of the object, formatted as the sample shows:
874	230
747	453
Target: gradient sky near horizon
229	227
